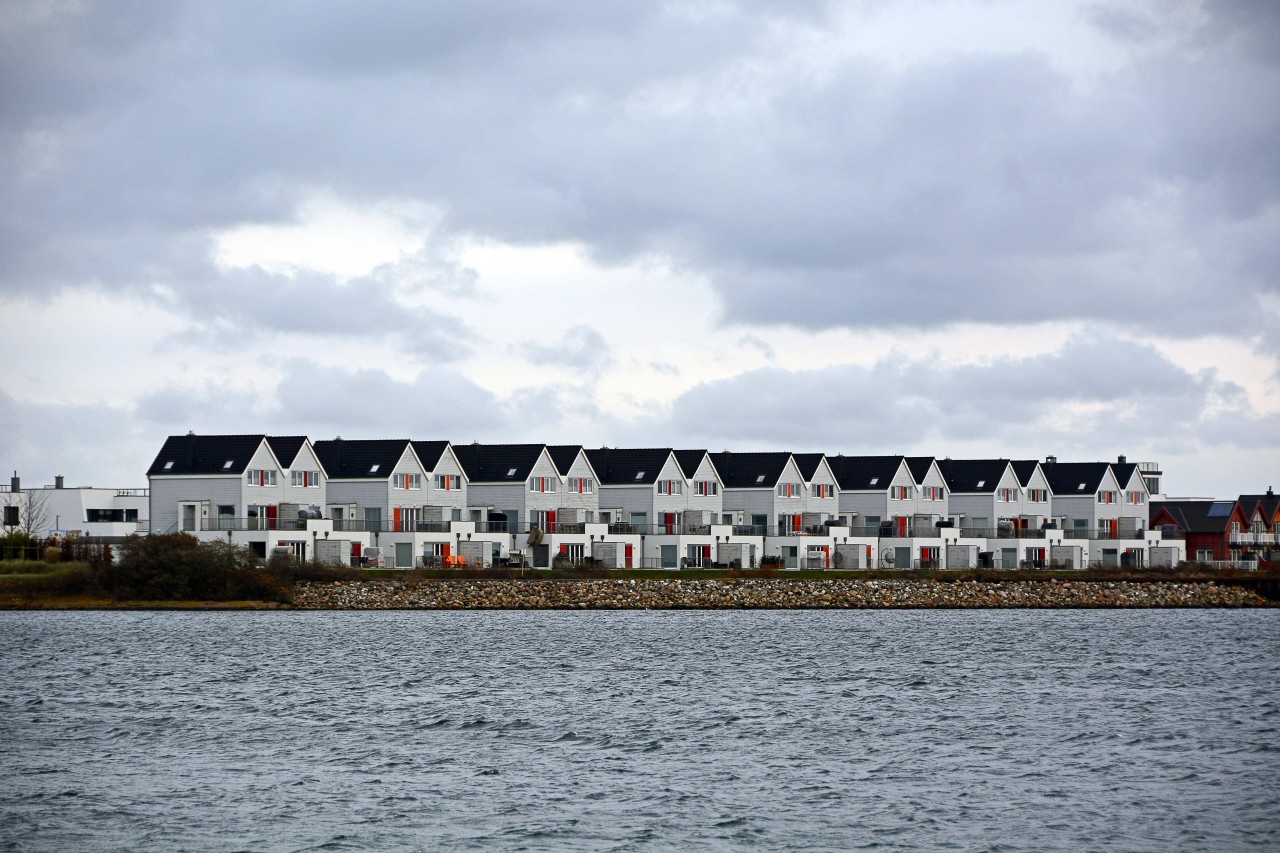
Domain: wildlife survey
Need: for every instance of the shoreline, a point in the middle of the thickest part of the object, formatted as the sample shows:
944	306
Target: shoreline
768	594
707	594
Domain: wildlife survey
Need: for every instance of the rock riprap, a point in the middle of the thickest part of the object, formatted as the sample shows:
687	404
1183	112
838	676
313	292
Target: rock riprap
754	593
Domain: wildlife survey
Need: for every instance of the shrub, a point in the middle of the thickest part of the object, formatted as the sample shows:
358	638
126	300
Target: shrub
177	566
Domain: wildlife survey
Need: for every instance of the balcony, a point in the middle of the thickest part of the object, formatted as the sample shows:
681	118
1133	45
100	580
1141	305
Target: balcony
1244	538
1105	535
1003	532
253	522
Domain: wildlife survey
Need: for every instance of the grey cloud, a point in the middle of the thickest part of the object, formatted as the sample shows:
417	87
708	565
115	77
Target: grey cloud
575	349
982	187
1097	392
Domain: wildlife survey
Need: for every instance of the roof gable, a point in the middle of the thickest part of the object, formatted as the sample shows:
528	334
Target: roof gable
974	476
286	448
865	473
1025	470
629	466
429	452
205	454
361	459
1197	516
499	463
751	470
1068	479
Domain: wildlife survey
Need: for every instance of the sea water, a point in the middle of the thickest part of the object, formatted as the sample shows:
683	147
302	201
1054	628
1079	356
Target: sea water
779	730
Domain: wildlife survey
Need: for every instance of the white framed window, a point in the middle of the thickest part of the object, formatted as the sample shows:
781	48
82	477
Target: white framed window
670	487
407	481
1137	498
1007	495
1108	497
790	490
542	484
933	493
581	485
305	479
824	490
1038	496
259	477
707	488
448	482
900	493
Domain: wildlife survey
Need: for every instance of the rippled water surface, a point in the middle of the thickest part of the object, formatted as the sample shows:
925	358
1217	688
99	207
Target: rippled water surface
1060	730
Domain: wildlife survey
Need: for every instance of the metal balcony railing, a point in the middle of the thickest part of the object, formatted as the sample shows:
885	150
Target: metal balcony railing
1105	535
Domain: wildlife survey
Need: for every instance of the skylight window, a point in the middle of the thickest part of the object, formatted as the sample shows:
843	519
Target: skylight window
1081	487
168	465
760	479
875	480
511	472
227	464
981	483
640	476
373	469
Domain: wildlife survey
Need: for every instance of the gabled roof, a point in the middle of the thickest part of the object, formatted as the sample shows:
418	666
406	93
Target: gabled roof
864	473
498	463
205	454
1075	478
1198	516
628	466
750	470
563	456
808	464
1268	503
360	458
286	448
973	476
690	460
919	467
429	452
1124	472
1025	469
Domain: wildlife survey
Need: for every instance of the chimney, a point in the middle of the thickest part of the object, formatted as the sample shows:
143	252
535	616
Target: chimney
191	450
1120	460
1050	460
59	482
15	483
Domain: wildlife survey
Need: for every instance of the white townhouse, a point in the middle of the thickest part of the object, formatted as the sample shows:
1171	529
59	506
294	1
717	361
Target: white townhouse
1134	492
579	498
1108	525
932	503
520	491
822	492
986	496
238	487
876	493
1037	496
770	496
375	485
703	489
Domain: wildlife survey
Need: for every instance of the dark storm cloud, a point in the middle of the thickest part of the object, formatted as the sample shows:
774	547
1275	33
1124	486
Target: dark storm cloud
982	187
1097	392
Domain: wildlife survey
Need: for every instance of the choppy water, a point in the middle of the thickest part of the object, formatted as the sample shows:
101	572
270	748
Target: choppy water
1061	730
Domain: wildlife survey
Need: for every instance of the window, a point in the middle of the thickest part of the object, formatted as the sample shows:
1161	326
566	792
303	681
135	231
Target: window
824	490
305	479
875	480
259	477
373	469
1007	495
1137	498
407	481
789	490
640	475
933	493
900	493
226	465
981	483
1038	495
670	487
760	478
168	465
542	484
1105	497
706	488
581	485
511	472
448	482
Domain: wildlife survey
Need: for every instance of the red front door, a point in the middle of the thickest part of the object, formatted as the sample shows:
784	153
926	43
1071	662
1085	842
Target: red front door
902	525
628	556
272	515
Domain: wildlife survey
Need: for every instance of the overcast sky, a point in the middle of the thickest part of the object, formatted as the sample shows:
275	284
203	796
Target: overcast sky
962	229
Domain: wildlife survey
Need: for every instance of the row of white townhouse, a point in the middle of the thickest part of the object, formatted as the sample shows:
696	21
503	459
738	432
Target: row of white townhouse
433	502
